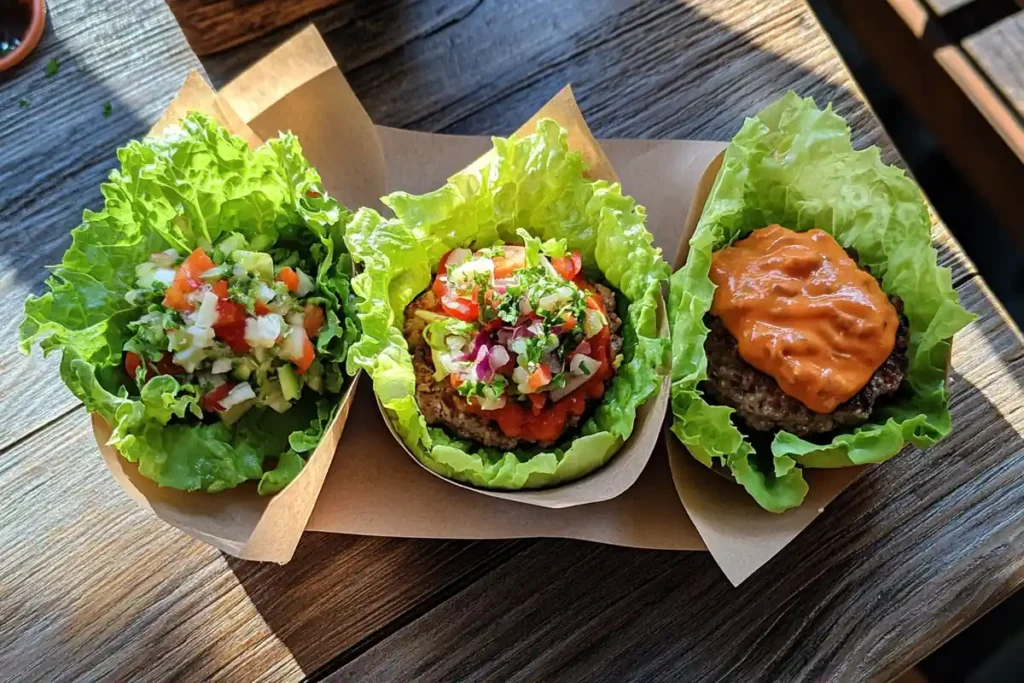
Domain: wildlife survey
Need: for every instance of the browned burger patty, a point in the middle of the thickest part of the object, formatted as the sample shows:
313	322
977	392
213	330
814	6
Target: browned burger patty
758	399
441	404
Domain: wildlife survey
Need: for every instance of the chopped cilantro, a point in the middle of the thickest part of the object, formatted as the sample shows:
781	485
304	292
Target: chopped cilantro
52	67
108	109
23	103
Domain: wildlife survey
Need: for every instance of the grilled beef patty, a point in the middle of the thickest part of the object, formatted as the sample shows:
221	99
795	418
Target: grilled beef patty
760	402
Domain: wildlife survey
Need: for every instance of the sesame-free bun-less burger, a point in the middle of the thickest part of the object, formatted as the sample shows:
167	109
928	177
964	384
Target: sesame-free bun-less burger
510	318
811	325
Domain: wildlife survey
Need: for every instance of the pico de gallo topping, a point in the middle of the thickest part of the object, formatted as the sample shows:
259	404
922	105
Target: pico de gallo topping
238	323
521	335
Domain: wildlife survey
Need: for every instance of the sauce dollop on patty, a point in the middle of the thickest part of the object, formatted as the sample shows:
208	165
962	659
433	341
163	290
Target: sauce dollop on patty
804	313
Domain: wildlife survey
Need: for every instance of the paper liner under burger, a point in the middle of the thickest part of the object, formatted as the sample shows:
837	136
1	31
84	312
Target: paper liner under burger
739	533
240	521
625	465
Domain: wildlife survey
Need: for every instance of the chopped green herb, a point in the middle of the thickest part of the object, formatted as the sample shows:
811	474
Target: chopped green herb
108	109
23	103
52	67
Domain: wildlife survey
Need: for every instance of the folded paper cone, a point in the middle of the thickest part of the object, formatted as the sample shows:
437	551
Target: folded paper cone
240	521
740	534
625	466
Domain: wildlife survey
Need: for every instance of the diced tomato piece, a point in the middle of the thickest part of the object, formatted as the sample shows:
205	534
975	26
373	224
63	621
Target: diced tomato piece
454	380
233	335
540	377
461	308
493	325
512	260
229	313
132	361
289	277
174	297
312	194
261	308
537	402
220	288
568	266
312	320
210	401
167	366
568	322
191	270
442	266
440	286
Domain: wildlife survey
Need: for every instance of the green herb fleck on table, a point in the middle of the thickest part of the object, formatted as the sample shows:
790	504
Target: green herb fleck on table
23	103
52	67
108	109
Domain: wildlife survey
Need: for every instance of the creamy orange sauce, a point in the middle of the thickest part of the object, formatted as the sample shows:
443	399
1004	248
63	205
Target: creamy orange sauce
803	313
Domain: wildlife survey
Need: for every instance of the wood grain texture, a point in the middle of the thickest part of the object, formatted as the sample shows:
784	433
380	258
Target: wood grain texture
95	588
876	583
999	50
214	26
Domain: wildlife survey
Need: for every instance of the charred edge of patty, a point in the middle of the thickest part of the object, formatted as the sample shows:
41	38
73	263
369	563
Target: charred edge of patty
437	400
763	406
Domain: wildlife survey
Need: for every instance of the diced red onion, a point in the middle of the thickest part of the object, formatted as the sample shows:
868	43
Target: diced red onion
498	357
482	369
583	347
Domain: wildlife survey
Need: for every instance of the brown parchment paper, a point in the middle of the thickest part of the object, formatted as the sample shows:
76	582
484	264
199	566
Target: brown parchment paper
240	521
374	487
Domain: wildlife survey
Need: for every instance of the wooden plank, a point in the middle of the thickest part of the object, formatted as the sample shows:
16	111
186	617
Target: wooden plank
889	572
58	148
999	50
214	26
94	587
942	7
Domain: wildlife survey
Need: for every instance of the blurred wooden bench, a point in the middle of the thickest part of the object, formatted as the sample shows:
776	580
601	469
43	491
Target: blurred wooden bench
959	65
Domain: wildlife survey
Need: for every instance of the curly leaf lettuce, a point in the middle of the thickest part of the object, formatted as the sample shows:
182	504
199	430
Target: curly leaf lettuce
794	165
537	184
183	190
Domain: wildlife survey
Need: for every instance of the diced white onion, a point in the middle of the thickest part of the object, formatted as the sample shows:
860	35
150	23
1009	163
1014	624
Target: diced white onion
294	319
457	257
524	306
239	394
291	347
190	358
207	314
593	321
202	337
164	276
165	259
486	403
220	366
305	284
266	294
580	362
520	375
465	276
263	331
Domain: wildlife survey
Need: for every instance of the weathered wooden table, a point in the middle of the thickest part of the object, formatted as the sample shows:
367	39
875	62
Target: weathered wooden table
92	588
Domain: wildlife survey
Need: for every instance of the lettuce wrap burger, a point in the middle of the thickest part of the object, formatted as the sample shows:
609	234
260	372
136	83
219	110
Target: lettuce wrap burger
510	318
202	312
811	326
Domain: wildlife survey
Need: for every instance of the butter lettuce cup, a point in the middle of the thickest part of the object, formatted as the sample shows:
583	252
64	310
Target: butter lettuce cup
205	312
513	323
811	325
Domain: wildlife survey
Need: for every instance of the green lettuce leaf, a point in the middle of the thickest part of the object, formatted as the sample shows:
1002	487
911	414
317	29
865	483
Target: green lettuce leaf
794	165
188	188
537	184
